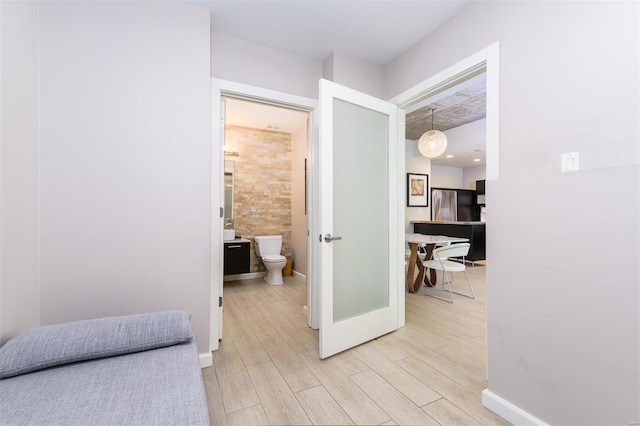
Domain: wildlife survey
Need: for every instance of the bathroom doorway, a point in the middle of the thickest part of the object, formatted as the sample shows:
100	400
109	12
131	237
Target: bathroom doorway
265	154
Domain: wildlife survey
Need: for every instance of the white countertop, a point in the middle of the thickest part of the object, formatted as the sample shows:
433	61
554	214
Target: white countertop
433	239
237	240
447	222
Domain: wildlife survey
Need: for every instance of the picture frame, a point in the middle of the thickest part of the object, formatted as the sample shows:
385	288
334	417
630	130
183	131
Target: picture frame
417	190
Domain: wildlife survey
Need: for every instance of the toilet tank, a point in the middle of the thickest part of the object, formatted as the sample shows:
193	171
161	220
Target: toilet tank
268	244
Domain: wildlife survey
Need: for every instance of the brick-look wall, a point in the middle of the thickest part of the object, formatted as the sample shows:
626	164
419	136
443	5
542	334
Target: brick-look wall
262	185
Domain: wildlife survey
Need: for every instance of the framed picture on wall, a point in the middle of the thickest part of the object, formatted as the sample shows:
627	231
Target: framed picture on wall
417	189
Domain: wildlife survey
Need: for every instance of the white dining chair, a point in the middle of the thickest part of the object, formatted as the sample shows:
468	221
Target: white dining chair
423	254
440	261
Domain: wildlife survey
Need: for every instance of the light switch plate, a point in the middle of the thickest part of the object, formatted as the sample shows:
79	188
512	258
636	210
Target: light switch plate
570	161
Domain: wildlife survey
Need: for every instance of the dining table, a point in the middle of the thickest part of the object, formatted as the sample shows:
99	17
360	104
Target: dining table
429	242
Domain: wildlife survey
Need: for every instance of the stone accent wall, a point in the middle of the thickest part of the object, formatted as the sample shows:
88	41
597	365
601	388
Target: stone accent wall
262	185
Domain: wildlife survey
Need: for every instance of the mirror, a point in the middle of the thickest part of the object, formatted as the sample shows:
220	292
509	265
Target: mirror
229	167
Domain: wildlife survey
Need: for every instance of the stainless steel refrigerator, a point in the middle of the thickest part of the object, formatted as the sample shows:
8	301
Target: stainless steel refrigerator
444	204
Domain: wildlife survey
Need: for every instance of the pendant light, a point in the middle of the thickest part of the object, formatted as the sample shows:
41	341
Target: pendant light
432	143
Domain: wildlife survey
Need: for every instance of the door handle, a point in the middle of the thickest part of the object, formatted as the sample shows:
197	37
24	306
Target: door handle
328	238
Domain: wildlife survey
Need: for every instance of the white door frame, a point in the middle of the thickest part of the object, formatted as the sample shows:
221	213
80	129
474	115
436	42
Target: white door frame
220	88
487	59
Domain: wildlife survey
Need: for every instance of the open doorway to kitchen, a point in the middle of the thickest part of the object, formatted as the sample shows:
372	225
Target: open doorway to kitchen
485	65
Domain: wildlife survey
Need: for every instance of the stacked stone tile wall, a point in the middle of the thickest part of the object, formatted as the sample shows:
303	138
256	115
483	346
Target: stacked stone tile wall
262	185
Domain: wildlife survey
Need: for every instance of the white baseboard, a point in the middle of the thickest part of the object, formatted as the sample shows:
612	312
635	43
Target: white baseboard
206	359
247	276
508	411
299	275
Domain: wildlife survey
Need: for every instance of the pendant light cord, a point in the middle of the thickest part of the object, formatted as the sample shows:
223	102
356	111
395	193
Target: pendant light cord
432	109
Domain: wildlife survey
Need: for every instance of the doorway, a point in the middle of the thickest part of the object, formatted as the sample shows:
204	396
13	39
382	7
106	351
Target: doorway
265	147
380	109
241	92
487	62
265	159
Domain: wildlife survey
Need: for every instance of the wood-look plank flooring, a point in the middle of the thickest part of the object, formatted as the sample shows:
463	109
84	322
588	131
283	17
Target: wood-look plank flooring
267	370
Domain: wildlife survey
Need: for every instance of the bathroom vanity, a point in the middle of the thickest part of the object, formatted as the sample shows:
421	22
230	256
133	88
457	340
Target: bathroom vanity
237	256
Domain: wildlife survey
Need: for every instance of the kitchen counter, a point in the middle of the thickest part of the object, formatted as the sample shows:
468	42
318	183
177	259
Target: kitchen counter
473	231
448	222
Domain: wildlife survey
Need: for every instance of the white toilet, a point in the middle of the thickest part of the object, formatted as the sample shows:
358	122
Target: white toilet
268	249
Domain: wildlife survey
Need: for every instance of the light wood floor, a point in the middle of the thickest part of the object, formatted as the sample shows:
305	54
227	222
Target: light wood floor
267	369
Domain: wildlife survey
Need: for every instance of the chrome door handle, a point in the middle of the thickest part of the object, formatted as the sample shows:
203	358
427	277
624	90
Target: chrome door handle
328	238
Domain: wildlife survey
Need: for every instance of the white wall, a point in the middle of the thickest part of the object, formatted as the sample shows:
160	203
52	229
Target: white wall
563	337
249	63
327	67
18	168
446	177
125	160
471	174
358	74
298	217
416	163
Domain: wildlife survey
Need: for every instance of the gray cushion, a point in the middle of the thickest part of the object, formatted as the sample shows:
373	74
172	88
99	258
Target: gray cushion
59	344
159	387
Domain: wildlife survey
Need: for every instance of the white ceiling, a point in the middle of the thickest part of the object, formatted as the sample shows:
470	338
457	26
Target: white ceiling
262	116
377	31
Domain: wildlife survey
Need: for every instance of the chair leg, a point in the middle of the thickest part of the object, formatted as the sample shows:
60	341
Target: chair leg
473	294
444	282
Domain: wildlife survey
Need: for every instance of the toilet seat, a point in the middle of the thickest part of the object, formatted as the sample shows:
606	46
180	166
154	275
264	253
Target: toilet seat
273	258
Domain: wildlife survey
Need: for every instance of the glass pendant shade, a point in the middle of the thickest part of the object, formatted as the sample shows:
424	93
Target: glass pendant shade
432	144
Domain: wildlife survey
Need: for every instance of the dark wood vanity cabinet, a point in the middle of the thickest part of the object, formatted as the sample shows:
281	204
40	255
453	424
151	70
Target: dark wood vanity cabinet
236	257
475	232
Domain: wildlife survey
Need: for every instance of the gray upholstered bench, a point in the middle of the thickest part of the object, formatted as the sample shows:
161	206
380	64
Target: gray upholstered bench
133	370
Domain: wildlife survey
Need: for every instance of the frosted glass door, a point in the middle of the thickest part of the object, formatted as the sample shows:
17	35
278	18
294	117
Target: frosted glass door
358	141
360	210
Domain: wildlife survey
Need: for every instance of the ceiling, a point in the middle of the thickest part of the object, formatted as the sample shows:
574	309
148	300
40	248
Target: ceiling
255	115
464	103
377	31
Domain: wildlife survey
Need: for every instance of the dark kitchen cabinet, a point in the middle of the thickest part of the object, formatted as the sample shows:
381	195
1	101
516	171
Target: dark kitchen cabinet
236	257
428	228
468	210
475	233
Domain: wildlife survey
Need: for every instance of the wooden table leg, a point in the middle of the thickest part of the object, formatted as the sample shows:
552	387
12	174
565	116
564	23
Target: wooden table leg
422	273
412	265
430	278
418	282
